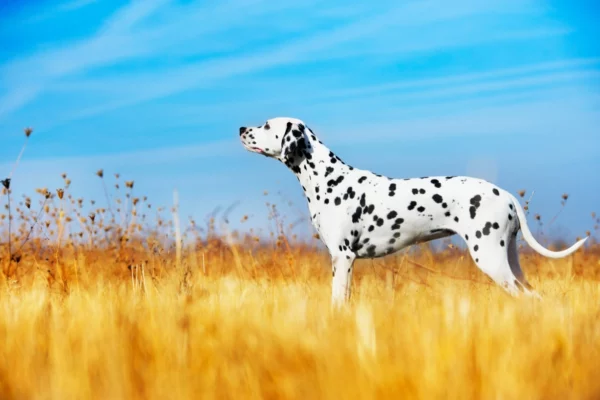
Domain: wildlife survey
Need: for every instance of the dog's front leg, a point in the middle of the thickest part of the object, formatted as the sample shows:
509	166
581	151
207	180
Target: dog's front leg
342	264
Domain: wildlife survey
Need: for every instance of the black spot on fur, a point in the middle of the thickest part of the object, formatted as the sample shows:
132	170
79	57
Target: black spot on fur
392	214
486	228
437	198
476	248
421	209
475	204
436	183
362	179
502	243
496	192
357	214
337	201
335	182
371	250
412	205
415	191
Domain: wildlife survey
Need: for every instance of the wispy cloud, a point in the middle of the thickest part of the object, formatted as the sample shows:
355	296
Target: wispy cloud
499	76
75	4
110	44
122	38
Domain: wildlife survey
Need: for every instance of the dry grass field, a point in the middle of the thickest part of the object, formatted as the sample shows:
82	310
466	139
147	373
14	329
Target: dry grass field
97	302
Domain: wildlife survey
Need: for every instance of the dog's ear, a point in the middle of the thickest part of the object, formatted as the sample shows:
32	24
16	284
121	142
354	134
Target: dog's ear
294	142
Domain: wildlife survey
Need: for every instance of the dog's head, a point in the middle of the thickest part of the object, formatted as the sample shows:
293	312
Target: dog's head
281	138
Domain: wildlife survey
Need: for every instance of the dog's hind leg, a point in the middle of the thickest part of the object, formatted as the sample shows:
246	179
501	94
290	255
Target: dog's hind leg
491	256
515	267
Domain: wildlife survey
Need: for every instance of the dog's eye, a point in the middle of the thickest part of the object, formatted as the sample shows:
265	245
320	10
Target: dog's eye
267	127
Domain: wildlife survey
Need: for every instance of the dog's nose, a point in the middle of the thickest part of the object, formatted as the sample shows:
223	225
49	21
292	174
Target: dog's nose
242	130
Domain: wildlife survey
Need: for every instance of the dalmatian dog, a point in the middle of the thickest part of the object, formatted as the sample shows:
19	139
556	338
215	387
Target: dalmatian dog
360	214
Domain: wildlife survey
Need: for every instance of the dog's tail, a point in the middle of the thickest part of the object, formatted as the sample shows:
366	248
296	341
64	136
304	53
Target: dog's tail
534	243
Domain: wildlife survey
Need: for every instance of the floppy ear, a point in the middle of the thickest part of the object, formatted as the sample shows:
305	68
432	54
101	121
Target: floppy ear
294	142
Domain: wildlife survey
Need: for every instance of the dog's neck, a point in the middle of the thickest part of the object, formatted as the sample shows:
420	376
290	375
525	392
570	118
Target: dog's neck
317	168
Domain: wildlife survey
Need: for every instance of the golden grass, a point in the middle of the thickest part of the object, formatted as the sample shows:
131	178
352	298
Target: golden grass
99	303
257	323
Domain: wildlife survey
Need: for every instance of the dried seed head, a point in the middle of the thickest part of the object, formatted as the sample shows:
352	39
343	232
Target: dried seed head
522	193
129	184
60	193
27	202
64	175
135	201
6	183
588	233
565	196
27	131
538	217
100	173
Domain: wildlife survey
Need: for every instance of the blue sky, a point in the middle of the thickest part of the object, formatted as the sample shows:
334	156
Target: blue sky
156	89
